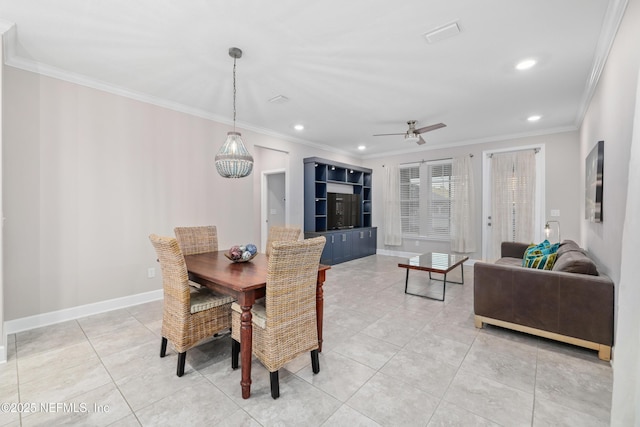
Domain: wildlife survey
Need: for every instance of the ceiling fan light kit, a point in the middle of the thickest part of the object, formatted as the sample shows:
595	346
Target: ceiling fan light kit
412	137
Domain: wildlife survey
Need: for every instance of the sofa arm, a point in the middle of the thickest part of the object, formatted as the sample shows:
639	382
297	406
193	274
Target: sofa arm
493	291
513	249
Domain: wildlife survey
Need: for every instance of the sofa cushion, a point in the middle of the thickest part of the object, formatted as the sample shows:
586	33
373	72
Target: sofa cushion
516	262
575	261
568	246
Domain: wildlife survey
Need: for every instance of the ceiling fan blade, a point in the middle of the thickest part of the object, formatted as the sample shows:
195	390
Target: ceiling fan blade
388	134
420	140
430	128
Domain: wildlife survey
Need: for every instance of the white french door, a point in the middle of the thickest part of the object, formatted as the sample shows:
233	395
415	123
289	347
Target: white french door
513	181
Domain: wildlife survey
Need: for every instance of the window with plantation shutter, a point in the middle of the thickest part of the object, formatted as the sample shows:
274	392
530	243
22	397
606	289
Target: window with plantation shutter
410	200
425	199
439	200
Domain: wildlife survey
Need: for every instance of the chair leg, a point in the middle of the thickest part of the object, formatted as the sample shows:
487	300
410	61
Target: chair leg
235	351
163	347
315	361
275	384
181	359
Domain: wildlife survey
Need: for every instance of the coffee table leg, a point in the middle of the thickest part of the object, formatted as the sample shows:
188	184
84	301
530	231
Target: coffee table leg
406	282
444	285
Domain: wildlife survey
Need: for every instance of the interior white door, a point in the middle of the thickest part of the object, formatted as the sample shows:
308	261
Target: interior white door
274	202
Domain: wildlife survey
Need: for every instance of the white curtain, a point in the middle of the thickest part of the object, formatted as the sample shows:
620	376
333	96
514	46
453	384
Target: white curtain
463	230
513	189
391	200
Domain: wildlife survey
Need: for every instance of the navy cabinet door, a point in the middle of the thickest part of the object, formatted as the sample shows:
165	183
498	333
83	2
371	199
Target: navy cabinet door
327	253
342	244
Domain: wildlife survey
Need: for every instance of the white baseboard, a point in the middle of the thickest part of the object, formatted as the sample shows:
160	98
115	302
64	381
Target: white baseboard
3	352
46	319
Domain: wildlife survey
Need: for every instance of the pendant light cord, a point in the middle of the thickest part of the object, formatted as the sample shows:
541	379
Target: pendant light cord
234	94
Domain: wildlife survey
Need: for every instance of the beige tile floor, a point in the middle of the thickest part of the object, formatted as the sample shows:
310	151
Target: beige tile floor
389	359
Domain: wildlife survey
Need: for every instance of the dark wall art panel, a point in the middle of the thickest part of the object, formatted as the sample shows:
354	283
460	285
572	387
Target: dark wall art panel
593	183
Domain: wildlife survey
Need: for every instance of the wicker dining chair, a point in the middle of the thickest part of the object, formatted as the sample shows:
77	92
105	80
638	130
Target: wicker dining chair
196	240
279	233
284	322
188	316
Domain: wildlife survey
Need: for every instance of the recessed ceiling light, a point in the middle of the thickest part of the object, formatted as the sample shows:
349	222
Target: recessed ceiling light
298	127
361	147
525	64
534	118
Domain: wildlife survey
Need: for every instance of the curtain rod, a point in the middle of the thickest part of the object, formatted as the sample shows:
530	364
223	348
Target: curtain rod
535	150
430	160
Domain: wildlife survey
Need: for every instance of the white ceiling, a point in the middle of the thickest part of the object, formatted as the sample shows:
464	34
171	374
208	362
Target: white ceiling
350	69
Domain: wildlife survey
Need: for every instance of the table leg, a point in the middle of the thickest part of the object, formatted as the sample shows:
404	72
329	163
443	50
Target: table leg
320	307
444	285
246	338
406	285
406	281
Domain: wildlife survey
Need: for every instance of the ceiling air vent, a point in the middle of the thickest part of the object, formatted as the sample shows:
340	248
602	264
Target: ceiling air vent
442	33
279	99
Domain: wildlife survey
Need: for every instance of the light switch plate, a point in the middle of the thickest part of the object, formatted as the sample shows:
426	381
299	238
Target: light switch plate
555	213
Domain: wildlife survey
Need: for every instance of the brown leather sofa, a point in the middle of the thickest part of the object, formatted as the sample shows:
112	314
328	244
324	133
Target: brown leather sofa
571	303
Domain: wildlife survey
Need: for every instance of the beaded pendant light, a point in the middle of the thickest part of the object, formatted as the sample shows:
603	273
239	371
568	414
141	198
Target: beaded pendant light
234	160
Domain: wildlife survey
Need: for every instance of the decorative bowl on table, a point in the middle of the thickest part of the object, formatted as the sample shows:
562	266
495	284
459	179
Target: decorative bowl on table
242	253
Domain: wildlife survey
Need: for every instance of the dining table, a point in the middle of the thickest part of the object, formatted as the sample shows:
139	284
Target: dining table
247	282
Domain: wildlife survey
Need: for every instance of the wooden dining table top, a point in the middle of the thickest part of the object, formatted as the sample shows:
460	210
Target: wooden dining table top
236	276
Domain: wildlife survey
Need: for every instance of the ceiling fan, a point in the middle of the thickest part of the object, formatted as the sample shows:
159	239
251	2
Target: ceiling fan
413	134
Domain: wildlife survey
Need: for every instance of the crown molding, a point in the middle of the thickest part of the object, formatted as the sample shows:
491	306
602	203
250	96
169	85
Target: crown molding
610	26
6	26
8	35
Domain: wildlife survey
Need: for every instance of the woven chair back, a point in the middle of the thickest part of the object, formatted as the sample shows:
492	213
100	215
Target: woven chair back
197	240
278	233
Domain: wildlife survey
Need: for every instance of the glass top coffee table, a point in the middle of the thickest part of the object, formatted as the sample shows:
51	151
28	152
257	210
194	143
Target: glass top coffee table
434	262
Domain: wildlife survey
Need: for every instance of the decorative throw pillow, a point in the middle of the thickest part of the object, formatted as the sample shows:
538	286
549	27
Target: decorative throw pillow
541	256
540	261
532	248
